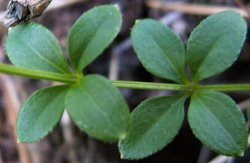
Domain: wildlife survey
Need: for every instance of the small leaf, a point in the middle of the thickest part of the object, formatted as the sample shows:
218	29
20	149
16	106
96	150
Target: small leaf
155	122
215	44
159	49
98	108
33	46
92	33
40	113
217	121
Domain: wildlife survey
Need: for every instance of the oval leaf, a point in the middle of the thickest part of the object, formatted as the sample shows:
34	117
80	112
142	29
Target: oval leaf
33	46
92	33
215	44
155	122
40	113
216	120
98	108
159	49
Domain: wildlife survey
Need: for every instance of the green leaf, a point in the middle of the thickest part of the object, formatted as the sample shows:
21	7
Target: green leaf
155	122
98	108
215	44
33	46
159	49
40	113
216	120
92	33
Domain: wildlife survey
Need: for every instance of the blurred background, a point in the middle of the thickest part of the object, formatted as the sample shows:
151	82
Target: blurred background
67	144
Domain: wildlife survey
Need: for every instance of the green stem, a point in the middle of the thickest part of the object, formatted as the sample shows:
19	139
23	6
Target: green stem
71	79
181	87
151	85
224	87
37	74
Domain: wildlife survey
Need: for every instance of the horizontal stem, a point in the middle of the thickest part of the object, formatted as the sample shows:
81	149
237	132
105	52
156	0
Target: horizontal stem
181	87
71	79
224	87
151	85
37	74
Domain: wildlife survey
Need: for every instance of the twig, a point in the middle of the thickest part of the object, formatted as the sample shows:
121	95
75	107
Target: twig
1	160
241	5
1	17
55	4
12	105
221	159
204	154
116	52
192	8
244	104
68	138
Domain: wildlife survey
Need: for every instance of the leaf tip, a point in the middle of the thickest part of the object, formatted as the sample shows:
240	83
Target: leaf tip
125	156
10	29
137	21
116	6
241	154
122	136
122	156
20	141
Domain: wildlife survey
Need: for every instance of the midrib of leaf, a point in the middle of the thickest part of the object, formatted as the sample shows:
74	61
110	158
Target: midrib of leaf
169	60
41	112
42	58
218	122
98	108
209	53
208	97
108	94
92	37
55	50
142	135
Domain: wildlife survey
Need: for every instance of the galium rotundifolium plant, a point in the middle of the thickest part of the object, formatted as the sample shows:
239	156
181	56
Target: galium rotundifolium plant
96	106
92	102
